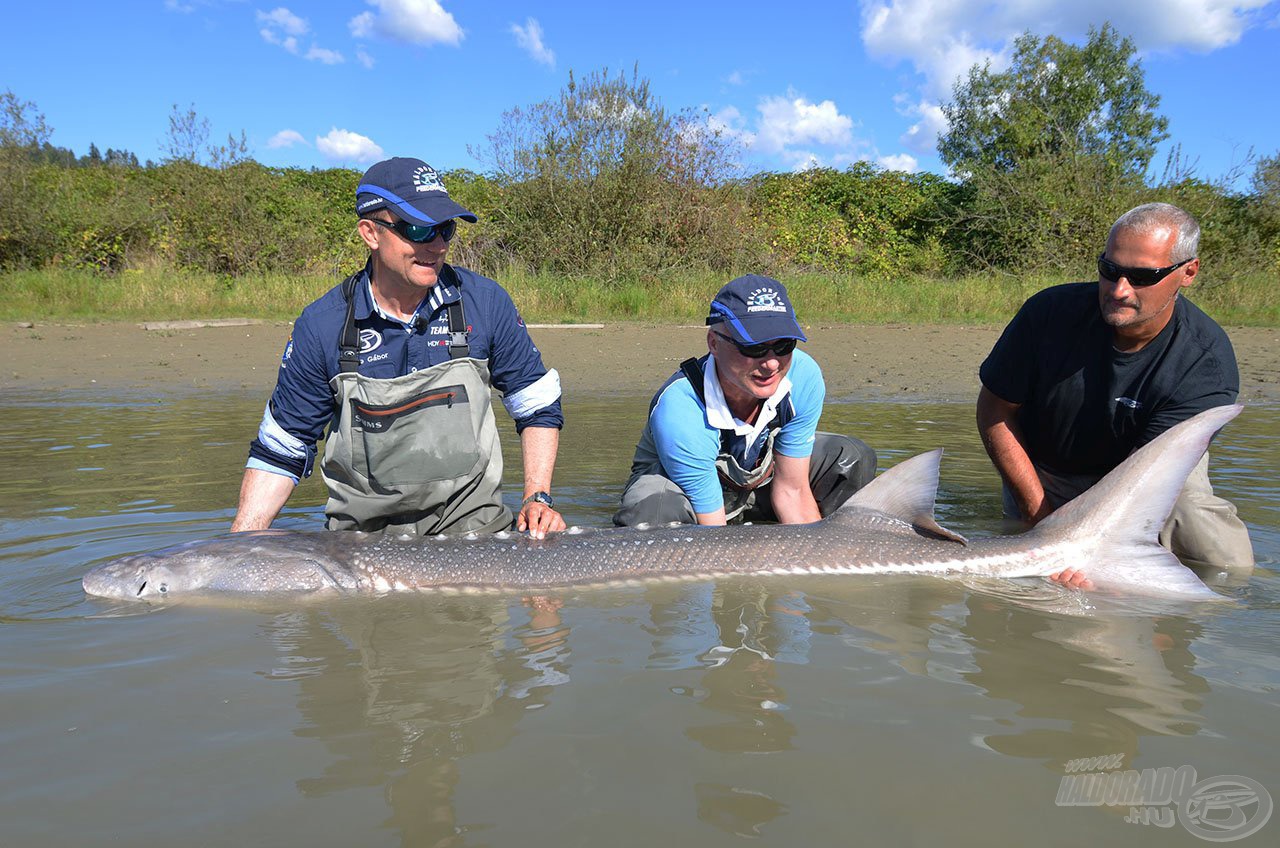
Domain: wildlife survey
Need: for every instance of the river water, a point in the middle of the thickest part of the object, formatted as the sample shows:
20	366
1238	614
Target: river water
810	711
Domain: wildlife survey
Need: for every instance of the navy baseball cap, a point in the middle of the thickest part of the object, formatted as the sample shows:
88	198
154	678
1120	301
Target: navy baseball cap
755	309
410	188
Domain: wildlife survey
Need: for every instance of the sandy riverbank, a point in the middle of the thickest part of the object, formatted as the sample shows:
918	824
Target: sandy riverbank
937	362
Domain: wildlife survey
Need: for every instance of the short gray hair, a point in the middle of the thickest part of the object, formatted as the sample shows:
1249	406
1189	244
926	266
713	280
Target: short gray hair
1151	217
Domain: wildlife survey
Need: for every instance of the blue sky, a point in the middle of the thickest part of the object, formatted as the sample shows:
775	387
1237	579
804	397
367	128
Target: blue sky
345	82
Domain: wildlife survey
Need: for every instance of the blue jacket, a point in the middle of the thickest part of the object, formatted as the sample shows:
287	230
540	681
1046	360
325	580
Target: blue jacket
302	405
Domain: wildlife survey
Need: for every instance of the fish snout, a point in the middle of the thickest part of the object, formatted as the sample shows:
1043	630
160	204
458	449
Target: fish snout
130	579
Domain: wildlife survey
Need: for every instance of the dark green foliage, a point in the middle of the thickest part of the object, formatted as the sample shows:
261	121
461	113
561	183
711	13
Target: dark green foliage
605	180
1050	151
1051	213
1266	209
1055	100
863	221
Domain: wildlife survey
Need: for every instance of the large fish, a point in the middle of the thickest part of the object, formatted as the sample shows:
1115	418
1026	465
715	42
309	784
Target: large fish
886	528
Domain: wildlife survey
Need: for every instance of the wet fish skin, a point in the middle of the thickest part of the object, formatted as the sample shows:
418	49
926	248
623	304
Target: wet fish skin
888	527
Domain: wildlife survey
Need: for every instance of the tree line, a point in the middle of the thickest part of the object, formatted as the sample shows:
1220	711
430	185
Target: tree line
605	181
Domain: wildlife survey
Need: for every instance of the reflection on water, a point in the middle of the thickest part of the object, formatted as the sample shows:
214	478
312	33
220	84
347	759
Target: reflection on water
816	711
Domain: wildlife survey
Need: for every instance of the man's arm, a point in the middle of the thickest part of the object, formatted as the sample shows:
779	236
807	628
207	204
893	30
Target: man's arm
792	499
1005	444
262	496
539	446
715	518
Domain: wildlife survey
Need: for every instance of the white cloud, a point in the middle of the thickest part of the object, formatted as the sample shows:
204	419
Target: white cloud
792	120
282	27
328	57
729	122
282	20
346	146
361	25
414	21
529	37
802	160
364	58
922	136
735	78
942	40
271	37
899	162
285	138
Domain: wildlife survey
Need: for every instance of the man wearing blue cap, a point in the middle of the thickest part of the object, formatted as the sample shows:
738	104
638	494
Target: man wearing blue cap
397	362
733	435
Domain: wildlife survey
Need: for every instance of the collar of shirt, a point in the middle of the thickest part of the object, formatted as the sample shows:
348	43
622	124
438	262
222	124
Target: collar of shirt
437	296
718	414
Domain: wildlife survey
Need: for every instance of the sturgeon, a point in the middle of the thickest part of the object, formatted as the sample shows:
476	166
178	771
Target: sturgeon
888	527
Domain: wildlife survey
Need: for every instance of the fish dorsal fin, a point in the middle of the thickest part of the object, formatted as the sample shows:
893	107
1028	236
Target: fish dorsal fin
907	491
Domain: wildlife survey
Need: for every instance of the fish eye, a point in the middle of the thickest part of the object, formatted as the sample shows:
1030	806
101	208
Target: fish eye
164	587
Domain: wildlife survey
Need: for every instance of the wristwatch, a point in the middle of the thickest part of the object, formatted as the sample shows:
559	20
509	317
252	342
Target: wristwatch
539	497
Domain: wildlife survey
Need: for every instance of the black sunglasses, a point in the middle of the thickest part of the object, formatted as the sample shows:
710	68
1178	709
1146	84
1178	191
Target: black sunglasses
778	347
417	233
1136	276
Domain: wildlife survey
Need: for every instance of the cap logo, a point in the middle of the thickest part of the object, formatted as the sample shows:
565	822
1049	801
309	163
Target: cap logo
425	178
765	300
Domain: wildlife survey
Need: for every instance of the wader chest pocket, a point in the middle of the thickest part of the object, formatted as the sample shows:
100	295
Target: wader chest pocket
427	438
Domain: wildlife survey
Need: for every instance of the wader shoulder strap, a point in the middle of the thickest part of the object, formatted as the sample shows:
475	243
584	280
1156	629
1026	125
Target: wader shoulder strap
349	344
459	347
692	369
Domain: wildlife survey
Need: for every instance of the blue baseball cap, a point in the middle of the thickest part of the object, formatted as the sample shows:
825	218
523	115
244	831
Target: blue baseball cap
410	188
755	309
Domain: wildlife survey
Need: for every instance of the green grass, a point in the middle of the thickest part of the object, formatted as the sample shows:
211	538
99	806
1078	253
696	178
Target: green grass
158	294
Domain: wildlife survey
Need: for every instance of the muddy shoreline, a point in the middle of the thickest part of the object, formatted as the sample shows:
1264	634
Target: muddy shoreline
861	362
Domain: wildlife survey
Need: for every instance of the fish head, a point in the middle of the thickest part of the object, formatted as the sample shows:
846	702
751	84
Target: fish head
245	562
150	576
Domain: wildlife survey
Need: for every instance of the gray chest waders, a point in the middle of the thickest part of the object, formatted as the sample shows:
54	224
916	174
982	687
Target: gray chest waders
415	454
737	484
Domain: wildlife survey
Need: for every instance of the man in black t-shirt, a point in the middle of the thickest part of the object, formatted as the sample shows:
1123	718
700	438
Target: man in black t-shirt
1086	373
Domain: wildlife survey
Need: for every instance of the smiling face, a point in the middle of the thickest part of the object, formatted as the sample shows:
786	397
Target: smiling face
403	268
1137	314
746	382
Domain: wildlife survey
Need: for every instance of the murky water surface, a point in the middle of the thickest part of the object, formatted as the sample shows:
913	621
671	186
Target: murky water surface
823	711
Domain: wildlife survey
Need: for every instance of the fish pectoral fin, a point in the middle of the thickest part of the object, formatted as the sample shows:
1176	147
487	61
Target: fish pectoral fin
929	526
335	580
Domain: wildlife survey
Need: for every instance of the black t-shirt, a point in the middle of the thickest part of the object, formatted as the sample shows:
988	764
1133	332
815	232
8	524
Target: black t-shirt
1086	406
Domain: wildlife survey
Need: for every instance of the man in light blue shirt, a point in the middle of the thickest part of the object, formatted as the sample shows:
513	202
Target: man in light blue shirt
733	435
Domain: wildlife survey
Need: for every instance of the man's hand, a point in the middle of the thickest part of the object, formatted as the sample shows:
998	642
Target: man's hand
539	445
539	519
1072	578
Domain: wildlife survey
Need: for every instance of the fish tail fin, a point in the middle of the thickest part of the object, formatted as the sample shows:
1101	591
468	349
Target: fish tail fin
1123	513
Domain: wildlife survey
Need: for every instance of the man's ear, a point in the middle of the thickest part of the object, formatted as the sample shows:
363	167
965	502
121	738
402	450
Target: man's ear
1189	272
368	233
